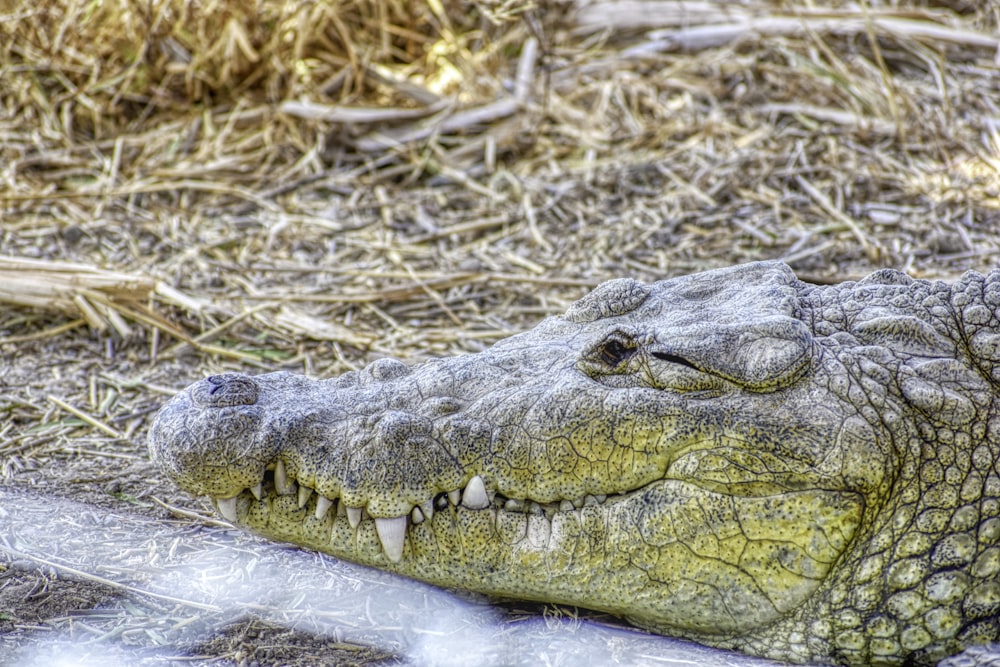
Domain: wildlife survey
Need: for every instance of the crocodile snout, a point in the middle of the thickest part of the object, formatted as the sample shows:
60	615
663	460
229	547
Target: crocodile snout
207	436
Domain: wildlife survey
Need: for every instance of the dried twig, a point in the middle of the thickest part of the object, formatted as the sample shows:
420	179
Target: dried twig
96	423
109	583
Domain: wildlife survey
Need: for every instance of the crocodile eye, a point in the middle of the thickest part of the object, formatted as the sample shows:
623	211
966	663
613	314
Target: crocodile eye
614	350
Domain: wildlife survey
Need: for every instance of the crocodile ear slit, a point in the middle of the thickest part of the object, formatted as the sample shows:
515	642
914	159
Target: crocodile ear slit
674	359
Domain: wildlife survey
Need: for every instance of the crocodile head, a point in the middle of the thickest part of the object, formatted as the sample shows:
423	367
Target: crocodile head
688	454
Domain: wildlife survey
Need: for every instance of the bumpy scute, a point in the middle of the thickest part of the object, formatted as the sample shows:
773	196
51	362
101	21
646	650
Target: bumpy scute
610	299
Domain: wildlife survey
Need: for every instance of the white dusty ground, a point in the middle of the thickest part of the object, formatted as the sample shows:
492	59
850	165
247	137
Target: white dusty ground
181	583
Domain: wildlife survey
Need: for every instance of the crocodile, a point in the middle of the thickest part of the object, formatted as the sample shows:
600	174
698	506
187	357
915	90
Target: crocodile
801	472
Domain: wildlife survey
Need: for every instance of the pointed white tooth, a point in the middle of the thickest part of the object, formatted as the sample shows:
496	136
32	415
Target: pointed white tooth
227	508
565	506
392	533
281	484
514	505
455	497
539	530
427	507
323	504
416	516
304	493
257	491
601	497
354	516
475	497
590	500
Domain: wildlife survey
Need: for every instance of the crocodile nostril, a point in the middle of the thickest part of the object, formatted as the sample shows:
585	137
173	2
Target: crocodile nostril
225	390
382	370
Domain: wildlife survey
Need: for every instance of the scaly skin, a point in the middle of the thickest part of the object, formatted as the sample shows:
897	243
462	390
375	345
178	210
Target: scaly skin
798	472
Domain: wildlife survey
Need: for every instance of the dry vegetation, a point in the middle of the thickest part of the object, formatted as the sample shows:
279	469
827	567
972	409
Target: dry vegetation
190	186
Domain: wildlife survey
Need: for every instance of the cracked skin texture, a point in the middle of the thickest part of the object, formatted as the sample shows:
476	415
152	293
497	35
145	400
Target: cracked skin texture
806	473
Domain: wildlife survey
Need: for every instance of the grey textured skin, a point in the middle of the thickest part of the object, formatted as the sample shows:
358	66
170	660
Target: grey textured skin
736	457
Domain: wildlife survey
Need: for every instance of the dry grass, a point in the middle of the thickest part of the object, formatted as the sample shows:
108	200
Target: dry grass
187	187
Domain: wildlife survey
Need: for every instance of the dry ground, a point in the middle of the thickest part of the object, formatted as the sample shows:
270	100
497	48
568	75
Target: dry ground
301	186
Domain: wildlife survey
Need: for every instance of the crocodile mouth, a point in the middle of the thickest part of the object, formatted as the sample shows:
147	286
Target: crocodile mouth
391	531
673	554
280	493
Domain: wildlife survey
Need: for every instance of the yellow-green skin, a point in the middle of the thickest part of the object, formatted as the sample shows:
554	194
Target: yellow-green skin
798	472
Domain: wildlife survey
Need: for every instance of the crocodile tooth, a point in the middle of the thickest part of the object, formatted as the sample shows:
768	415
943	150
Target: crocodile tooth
281	484
578	502
600	497
455	497
566	506
257	490
514	505
392	533
539	530
323	504
416	516
227	508
427	507
475	497
590	500
354	516
304	493
442	502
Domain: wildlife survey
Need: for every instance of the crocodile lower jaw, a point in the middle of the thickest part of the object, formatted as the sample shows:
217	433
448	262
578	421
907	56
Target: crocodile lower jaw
670	539
392	531
474	497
